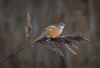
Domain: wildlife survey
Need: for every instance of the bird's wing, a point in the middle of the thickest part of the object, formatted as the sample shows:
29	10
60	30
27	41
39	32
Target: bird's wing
49	28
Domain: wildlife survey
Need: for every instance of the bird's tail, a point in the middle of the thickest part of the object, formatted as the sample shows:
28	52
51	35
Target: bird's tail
36	40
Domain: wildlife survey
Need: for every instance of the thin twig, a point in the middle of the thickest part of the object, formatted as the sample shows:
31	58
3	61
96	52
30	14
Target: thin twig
28	29
17	51
66	40
4	59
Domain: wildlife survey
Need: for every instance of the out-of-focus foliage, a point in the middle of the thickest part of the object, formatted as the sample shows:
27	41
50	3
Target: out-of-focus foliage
80	16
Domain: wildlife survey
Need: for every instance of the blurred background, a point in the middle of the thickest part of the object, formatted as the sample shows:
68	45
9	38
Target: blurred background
80	16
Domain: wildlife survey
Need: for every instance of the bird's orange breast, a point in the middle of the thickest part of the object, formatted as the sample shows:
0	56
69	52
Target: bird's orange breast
53	33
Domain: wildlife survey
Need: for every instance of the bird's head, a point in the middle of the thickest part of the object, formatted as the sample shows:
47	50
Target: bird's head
61	25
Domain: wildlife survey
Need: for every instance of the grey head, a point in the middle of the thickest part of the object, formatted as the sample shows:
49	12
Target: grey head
60	25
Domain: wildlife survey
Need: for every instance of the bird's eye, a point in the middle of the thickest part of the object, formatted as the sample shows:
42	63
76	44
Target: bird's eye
62	24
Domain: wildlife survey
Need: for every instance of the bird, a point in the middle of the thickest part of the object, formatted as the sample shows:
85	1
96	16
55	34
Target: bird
53	31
